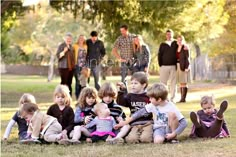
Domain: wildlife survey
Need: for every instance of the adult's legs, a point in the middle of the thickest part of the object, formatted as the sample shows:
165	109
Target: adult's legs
64	75
124	71
172	79
69	80
96	73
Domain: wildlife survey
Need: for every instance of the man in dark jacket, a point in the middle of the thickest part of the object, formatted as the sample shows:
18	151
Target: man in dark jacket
96	52
167	61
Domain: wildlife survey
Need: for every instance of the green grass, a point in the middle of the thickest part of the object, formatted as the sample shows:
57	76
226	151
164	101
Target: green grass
12	87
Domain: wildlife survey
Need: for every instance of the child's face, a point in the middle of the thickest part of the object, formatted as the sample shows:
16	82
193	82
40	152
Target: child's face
60	99
27	116
90	101
208	108
154	101
107	99
104	111
137	87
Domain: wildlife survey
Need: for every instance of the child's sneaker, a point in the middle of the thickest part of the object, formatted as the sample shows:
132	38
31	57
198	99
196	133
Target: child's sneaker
75	142
115	141
174	141
30	141
223	107
193	117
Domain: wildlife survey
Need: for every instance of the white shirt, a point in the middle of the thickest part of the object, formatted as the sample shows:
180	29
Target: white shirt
160	113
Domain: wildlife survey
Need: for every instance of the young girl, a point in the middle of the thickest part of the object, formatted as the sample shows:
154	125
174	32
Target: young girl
104	123
84	113
62	111
108	94
41	125
209	122
21	122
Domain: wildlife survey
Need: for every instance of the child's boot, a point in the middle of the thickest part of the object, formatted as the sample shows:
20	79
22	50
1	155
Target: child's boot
223	107
194	119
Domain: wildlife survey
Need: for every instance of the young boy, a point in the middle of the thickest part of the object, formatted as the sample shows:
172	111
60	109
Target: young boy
141	128
168	121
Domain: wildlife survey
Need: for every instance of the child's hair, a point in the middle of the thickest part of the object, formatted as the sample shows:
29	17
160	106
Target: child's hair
86	92
140	77
86	72
158	90
26	98
63	90
98	107
207	100
28	108
107	89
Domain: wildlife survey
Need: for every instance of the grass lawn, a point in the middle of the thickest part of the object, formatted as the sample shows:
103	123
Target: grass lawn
13	86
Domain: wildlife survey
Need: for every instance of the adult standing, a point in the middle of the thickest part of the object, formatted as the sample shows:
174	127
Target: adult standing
80	54
66	61
167	61
124	44
183	68
141	55
96	52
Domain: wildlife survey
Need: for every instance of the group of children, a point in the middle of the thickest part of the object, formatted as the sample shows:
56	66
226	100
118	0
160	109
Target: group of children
153	118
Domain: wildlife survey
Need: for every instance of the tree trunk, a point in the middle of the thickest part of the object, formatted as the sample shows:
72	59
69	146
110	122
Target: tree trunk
51	67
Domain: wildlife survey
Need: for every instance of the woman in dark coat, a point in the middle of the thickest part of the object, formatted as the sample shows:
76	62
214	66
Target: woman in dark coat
183	67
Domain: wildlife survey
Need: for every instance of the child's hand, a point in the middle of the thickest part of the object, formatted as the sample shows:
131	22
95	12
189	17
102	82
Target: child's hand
121	124
87	119
121	85
171	135
119	119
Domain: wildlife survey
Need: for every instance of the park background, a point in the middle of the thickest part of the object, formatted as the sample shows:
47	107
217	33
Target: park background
31	31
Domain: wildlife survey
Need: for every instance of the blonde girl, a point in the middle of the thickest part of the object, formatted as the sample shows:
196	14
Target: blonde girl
84	113
62	110
21	122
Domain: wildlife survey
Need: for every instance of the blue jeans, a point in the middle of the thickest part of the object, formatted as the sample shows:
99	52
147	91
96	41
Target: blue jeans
124	70
95	70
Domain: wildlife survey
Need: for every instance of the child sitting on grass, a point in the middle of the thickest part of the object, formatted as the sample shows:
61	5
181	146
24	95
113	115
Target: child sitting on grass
108	94
84	114
168	121
104	123
141	128
209	122
41	125
62	111
21	122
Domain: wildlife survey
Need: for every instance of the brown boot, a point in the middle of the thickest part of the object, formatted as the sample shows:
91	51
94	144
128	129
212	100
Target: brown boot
182	94
185	91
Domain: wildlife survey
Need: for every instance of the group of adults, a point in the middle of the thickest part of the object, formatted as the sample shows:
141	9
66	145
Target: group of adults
132	52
